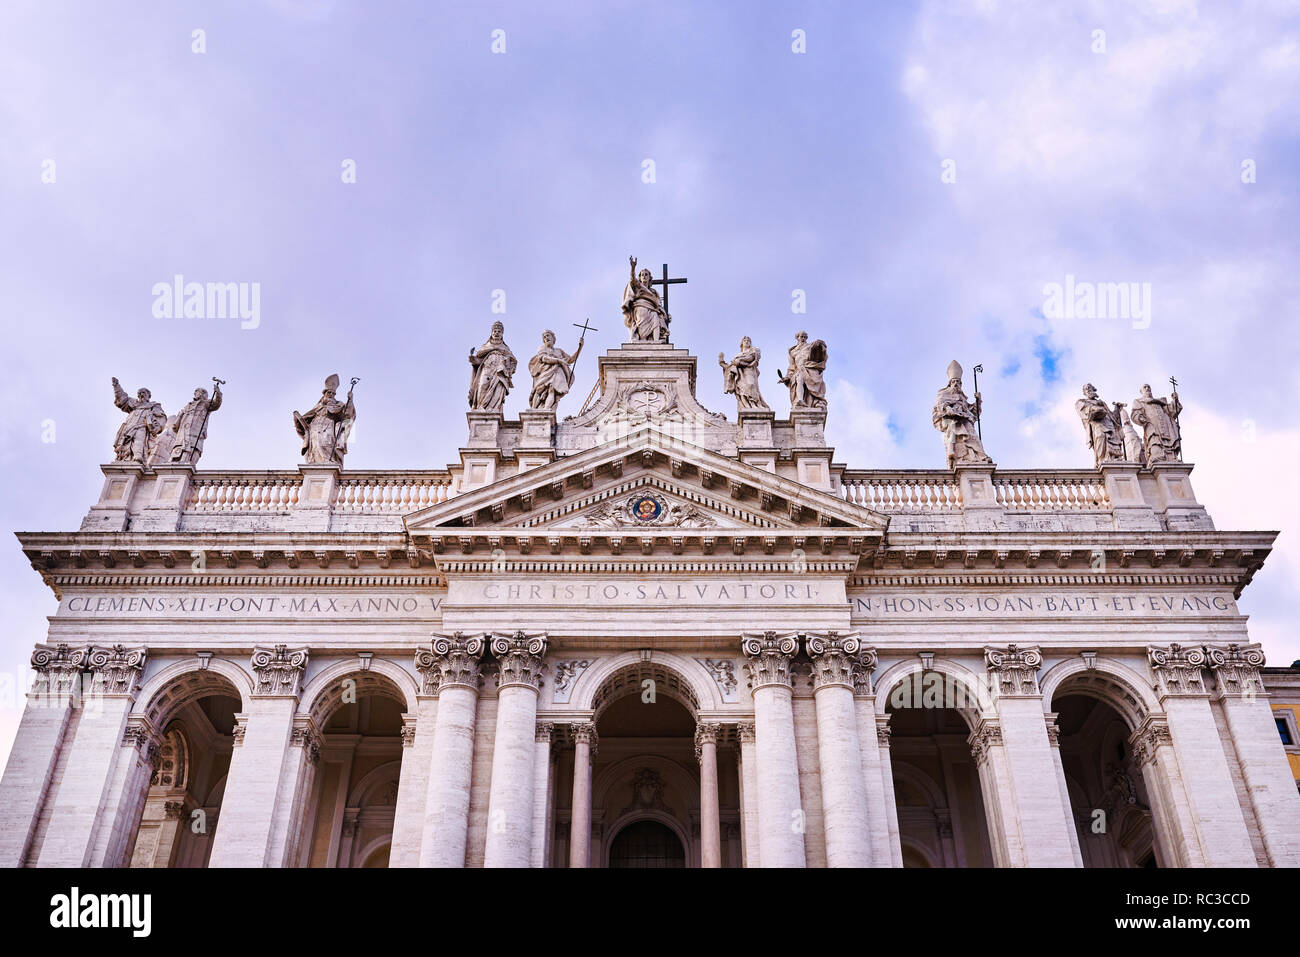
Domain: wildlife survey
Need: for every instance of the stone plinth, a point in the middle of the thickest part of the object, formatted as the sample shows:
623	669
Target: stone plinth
1131	510
110	513
809	428
162	512
978	499
483	429
316	497
755	429
1176	499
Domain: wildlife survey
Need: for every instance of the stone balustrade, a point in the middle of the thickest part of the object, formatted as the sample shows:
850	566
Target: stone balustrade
938	490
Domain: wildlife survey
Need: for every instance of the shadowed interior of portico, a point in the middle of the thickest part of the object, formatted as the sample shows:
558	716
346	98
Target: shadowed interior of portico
645	786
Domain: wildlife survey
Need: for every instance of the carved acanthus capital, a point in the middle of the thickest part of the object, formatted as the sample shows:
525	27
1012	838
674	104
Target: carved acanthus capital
705	734
545	732
769	659
1236	669
457	658
1014	670
520	658
116	670
584	732
58	668
408	732
987	735
834	658
304	735
864	667
237	732
1177	669
1053	731
1151	735
279	670
745	732
174	810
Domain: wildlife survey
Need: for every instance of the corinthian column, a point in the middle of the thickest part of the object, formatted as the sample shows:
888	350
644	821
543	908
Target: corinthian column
246	832
41	735
706	752
446	807
780	813
103	764
510	802
1264	767
584	746
844	797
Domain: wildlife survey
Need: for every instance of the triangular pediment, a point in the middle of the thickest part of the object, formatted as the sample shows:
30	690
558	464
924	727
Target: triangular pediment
647	482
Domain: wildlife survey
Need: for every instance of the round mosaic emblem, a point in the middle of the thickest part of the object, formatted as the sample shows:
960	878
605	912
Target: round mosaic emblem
645	508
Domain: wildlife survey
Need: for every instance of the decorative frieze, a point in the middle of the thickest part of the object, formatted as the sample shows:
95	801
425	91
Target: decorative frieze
1177	669
520	659
723	672
1013	671
769	659
278	670
834	659
116	670
1236	669
566	676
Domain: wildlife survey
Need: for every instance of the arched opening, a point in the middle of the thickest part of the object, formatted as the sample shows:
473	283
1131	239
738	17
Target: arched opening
181	808
645	775
351	796
648	844
942	820
1108	794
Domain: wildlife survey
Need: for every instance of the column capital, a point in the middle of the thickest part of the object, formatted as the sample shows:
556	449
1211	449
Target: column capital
139	734
705	734
451	661
1053	730
863	673
278	670
304	735
745	732
882	731
116	670
1014	670
1151	735
584	732
769	658
834	659
58	668
987	735
1236	670
520	659
545	733
409	724
1177	670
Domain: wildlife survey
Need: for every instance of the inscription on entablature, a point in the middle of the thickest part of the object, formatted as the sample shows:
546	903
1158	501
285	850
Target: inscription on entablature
903	604
648	593
207	604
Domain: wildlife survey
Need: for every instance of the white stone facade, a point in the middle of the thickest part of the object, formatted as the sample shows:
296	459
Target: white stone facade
648	636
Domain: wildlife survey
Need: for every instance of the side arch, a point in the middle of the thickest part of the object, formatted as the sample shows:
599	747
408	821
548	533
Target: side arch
1111	681
322	693
976	698
183	681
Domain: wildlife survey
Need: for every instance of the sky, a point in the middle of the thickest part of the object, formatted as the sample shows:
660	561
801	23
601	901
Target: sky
918	174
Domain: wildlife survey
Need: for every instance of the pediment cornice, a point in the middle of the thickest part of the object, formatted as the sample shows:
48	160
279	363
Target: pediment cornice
751	496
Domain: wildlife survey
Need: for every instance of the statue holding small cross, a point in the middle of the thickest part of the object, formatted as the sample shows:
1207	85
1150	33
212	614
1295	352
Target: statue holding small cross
645	312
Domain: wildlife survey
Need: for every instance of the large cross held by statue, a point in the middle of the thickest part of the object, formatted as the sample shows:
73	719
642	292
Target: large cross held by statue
665	282
585	328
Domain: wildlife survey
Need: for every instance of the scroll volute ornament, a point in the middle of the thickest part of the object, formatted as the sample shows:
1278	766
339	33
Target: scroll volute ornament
279	669
116	670
769	658
458	658
1016	669
1236	669
834	657
520	659
1178	669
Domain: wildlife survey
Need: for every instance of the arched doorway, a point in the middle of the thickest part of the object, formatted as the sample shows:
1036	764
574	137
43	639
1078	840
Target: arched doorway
646	844
645	767
942	820
352	795
1108	794
181	808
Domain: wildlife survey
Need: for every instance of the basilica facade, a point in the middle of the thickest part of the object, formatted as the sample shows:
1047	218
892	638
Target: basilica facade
647	634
